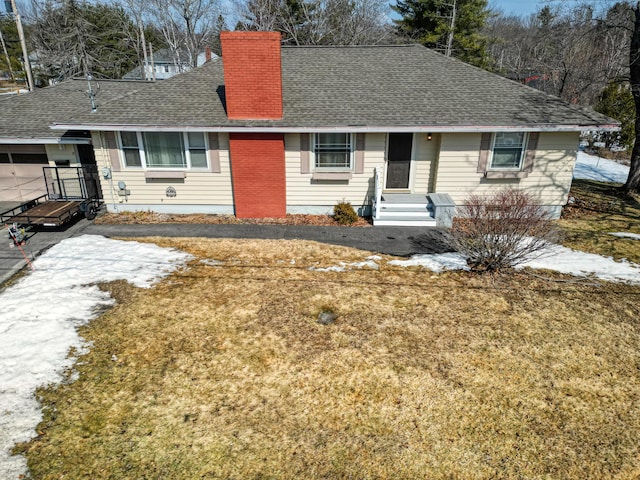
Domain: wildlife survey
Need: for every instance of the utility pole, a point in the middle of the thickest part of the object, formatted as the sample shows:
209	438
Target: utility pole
144	50
153	64
451	30
23	43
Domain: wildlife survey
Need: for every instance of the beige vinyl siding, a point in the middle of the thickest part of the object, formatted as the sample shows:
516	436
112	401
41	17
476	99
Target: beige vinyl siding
424	155
549	181
62	152
198	188
302	190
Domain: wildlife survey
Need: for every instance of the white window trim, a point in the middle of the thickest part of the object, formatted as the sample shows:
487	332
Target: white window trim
143	158
525	142
352	149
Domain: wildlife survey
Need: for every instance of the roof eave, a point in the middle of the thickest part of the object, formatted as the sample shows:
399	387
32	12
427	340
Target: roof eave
44	141
338	128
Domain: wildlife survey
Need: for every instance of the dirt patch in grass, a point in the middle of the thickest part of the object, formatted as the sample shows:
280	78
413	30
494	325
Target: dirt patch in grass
596	210
153	217
222	371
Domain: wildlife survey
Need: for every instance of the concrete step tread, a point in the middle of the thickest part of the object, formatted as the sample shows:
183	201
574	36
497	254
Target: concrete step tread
405	221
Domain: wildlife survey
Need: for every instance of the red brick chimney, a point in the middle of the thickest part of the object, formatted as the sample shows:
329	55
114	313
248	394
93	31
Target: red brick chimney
207	54
252	75
253	91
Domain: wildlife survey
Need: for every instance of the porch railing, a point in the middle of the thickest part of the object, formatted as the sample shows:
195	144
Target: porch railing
377	198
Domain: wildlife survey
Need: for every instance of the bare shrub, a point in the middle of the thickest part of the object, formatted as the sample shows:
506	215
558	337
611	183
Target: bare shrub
502	230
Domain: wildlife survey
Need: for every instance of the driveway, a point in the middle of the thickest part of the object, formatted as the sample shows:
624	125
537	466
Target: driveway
11	259
400	241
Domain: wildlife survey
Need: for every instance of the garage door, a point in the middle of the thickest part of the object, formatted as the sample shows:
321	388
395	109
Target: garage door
21	176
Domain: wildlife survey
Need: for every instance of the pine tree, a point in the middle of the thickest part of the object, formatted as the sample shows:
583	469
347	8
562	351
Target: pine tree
429	23
616	102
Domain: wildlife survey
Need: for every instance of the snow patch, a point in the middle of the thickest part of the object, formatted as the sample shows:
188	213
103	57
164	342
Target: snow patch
435	262
635	236
565	260
343	266
40	315
591	167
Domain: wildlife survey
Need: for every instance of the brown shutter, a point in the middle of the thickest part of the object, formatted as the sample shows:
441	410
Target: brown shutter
214	152
112	147
304	153
530	154
485	147
359	167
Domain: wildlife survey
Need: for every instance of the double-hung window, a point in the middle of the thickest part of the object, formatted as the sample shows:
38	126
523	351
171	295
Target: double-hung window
333	151
131	149
508	151
160	150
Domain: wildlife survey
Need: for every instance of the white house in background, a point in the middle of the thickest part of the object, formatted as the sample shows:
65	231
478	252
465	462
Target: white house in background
166	65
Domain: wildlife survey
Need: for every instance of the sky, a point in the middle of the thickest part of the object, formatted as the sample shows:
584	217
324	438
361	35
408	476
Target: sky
516	7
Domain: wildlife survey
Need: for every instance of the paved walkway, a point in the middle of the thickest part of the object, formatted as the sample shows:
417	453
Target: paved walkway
401	241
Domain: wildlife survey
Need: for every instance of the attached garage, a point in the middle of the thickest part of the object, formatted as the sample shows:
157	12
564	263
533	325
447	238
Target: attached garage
21	172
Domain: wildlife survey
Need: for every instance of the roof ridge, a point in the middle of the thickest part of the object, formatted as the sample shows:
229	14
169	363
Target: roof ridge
404	45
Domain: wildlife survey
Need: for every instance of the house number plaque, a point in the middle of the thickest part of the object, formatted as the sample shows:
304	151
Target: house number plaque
171	192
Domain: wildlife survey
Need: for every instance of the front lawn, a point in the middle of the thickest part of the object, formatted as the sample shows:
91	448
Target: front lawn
221	371
596	210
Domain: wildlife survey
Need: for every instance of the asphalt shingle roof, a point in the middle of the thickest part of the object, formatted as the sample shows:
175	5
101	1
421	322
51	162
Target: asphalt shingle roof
30	115
333	87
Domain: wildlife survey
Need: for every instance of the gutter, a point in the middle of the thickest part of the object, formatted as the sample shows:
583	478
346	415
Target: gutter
342	128
45	141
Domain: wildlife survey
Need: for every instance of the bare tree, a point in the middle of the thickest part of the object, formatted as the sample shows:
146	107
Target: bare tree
319	22
187	26
76	38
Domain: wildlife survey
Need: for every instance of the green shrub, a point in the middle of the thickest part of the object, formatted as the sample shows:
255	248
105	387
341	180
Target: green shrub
344	214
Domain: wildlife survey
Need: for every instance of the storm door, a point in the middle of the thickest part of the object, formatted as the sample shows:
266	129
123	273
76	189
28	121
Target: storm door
399	160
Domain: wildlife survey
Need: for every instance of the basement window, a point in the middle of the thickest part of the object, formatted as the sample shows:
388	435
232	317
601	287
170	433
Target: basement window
333	151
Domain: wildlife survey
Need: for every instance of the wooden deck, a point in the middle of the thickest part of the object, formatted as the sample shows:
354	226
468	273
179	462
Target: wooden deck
51	213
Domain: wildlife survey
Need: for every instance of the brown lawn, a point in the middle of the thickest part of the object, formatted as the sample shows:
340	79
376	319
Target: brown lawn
223	372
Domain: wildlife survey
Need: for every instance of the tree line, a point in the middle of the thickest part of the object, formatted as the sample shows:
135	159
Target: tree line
587	53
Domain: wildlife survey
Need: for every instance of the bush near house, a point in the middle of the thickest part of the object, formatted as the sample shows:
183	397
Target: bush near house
344	214
501	230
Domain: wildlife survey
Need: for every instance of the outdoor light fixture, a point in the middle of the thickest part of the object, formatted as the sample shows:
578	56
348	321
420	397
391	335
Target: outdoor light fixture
429	137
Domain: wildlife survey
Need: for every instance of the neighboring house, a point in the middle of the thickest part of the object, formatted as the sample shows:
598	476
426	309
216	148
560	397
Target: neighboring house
166	65
267	131
27	143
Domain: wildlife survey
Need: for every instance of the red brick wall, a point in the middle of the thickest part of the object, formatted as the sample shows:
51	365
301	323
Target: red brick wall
252	75
258	172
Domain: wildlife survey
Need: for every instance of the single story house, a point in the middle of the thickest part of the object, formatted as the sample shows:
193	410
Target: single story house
401	132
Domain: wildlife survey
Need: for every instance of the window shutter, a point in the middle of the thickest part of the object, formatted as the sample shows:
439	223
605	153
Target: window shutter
112	147
530	154
214	152
359	167
304	153
485	146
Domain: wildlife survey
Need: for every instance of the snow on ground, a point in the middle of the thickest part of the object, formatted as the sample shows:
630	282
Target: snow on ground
556	257
434	262
591	167
634	236
40	314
